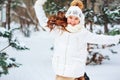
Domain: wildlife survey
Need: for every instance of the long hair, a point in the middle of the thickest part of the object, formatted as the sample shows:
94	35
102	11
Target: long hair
59	20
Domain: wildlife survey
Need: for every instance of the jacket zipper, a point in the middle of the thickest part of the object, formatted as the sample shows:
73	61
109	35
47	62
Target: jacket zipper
66	54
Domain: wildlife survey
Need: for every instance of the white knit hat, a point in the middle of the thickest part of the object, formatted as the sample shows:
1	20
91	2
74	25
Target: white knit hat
75	11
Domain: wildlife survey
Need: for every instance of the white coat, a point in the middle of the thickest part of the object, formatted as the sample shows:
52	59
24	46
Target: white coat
70	49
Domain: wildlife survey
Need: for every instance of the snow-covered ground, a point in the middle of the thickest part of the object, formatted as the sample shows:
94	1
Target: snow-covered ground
36	62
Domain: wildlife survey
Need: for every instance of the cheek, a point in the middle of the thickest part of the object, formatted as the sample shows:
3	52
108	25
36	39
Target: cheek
77	22
68	21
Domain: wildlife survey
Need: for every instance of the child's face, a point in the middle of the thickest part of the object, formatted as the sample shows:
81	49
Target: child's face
73	20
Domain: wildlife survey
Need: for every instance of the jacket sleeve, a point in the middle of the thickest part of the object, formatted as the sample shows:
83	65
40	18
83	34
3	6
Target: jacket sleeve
102	39
41	14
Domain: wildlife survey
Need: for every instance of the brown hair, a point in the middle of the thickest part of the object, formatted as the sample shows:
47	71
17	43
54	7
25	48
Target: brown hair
58	20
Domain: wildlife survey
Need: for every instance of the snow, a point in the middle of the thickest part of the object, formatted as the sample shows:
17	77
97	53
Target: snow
36	62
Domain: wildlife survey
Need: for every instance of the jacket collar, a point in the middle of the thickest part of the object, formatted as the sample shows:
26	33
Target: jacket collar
74	29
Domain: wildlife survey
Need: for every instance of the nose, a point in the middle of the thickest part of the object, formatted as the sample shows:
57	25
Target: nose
72	22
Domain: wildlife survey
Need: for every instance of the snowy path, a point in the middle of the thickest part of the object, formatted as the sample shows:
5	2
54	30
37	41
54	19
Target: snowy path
36	63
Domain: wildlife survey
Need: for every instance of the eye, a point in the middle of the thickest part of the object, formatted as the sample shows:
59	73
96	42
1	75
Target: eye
76	18
70	17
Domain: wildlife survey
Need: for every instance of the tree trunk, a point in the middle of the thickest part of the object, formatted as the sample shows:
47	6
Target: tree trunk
8	13
91	29
85	3
106	27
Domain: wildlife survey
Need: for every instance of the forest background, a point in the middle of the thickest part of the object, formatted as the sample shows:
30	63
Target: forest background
105	13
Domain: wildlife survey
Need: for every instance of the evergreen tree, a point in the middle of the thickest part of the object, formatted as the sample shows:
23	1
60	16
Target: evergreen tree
5	61
108	16
89	17
53	6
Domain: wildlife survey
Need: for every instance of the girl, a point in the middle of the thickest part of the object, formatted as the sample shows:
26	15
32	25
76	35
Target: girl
70	45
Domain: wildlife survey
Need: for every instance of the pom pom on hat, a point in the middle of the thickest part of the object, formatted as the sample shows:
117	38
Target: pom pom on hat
77	3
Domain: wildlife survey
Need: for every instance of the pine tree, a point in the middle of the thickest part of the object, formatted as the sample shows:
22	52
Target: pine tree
7	62
89	17
108	16
53	6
